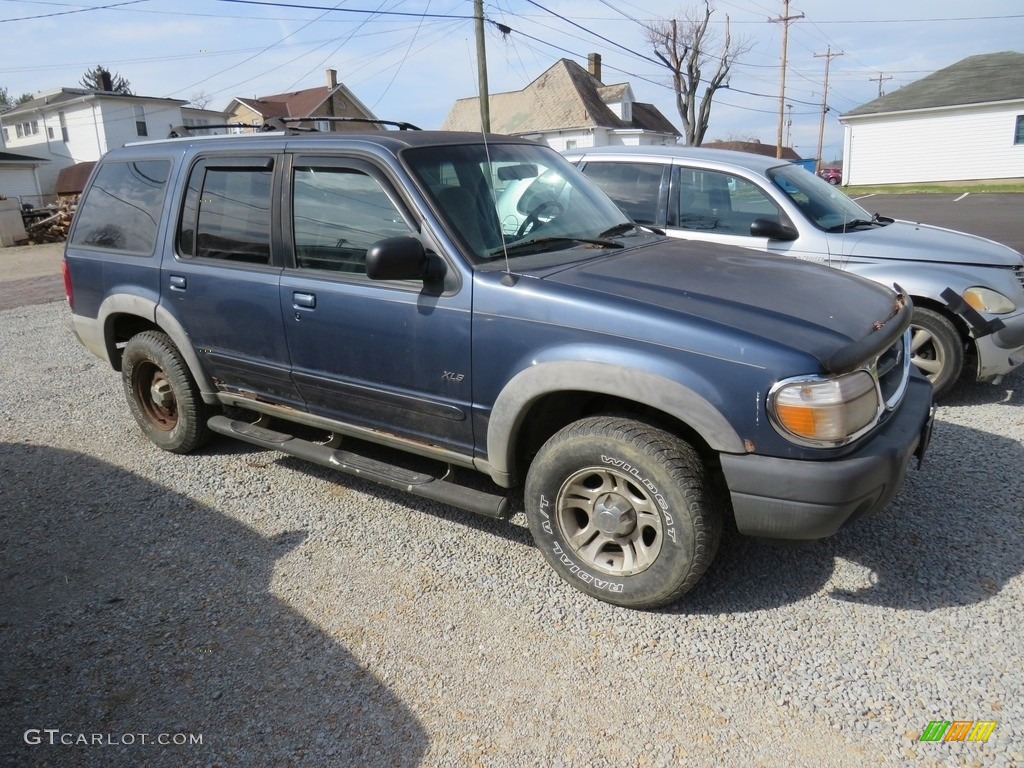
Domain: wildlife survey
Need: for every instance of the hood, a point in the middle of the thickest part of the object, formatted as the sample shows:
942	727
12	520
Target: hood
922	242
805	306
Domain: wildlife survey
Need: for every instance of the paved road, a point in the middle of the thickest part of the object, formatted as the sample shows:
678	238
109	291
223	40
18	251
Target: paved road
998	216
30	274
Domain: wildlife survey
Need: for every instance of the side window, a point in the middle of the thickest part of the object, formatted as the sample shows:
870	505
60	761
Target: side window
710	200
121	211
227	213
338	214
634	187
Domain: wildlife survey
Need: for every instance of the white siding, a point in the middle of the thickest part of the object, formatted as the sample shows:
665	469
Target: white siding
84	136
558	140
951	145
118	119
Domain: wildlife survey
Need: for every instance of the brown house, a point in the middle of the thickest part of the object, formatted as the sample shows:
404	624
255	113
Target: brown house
753	147
569	107
330	100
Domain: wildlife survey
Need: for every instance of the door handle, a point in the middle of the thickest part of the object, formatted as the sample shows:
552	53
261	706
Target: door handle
178	283
303	300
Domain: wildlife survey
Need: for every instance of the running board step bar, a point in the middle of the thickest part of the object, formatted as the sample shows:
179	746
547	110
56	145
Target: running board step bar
418	483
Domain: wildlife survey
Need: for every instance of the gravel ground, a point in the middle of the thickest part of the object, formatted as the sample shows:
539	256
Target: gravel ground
285	615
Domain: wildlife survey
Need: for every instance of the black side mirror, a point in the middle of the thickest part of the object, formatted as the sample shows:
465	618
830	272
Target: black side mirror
772	229
400	258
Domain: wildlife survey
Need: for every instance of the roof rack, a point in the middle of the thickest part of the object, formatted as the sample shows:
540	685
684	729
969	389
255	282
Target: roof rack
284	123
182	131
289	124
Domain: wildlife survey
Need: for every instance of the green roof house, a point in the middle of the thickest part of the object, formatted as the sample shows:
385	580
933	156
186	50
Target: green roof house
964	122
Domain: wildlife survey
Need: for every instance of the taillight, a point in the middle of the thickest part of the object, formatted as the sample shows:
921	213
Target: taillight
67	283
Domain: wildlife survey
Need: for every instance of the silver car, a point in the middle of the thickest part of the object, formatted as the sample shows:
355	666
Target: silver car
968	292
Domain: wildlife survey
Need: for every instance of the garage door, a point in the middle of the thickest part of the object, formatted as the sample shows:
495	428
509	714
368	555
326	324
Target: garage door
18	183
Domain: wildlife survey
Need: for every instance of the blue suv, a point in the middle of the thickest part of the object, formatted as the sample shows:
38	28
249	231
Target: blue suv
356	300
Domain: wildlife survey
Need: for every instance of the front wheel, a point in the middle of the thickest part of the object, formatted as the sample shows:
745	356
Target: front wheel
936	349
162	395
623	511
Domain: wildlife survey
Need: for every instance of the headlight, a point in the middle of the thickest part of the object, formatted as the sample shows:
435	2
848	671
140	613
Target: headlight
824	412
987	300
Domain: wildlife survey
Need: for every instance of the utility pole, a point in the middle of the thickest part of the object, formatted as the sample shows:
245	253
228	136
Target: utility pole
824	102
880	79
481	67
784	19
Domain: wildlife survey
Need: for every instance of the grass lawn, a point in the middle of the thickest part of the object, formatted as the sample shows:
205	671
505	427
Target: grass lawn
945	187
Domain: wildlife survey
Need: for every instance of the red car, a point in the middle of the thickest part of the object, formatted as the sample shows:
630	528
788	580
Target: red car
832	175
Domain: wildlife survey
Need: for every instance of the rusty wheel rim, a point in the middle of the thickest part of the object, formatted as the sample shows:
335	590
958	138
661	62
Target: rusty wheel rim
155	395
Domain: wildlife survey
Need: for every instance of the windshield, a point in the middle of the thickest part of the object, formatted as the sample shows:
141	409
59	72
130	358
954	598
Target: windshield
516	199
823	205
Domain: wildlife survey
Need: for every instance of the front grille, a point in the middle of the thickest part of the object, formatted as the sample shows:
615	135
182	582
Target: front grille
892	370
1019	272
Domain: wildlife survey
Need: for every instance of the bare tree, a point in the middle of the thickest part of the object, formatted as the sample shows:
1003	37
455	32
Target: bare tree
200	99
99	78
687	48
5	99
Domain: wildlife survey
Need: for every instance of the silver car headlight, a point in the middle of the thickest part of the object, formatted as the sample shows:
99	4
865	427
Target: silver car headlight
825	412
987	300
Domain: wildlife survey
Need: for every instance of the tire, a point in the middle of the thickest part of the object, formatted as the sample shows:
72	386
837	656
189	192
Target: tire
162	395
833	181
659	526
936	349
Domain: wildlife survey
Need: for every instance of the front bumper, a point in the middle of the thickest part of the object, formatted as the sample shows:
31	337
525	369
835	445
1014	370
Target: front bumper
1002	351
799	499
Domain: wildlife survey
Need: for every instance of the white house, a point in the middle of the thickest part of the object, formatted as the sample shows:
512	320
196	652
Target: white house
75	125
964	122
568	107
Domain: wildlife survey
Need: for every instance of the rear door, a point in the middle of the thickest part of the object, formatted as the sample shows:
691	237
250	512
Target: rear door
223	283
388	355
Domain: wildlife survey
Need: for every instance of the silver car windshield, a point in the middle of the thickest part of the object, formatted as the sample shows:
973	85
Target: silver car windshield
516	200
821	203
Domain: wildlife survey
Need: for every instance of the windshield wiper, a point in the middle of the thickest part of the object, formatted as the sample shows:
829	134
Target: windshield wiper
618	229
515	248
852	223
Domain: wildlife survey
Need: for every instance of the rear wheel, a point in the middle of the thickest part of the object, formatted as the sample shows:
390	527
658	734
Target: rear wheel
936	349
162	395
623	511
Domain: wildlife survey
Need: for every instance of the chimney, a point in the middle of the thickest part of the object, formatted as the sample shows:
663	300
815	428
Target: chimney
106	82
332	78
594	65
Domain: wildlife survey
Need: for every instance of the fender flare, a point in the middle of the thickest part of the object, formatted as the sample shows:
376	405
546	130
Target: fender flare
651	389
148	309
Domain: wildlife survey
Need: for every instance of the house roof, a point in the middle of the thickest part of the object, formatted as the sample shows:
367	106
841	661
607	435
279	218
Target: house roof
753	148
565	96
66	95
988	77
13	158
295	104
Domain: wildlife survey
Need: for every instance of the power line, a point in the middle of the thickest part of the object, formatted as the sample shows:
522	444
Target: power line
77	10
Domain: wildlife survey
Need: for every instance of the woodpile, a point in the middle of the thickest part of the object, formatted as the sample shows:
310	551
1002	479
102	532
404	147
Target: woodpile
50	225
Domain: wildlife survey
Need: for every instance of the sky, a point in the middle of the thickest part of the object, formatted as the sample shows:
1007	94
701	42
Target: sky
411	59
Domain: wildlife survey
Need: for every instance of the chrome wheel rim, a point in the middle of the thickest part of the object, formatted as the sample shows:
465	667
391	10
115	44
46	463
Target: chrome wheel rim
610	521
926	353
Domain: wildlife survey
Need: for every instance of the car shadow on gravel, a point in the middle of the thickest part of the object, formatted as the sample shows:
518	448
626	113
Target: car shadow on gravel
953	537
128	613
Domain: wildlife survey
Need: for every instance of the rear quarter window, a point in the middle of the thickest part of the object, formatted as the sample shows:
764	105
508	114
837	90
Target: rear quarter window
121	210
